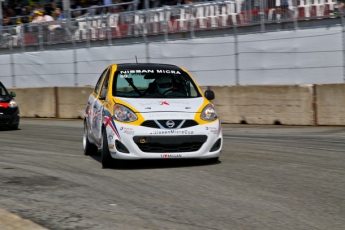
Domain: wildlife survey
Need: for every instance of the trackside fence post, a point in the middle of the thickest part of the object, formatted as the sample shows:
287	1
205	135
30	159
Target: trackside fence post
40	36
147	48
315	122
237	77
13	75
343	42
262	16
295	14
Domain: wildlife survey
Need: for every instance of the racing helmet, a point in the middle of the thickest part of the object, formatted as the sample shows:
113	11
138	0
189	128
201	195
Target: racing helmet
164	83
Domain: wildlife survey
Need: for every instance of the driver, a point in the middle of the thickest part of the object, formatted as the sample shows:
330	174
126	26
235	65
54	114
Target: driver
164	84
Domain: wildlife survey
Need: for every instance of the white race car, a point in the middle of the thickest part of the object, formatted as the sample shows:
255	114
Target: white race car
150	111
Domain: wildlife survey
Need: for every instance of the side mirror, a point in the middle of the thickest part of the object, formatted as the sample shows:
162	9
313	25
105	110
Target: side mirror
13	94
209	94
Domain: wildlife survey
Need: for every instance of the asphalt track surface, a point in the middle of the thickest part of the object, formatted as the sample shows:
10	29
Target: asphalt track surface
268	177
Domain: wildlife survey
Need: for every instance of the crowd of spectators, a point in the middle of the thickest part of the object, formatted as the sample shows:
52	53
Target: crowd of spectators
23	11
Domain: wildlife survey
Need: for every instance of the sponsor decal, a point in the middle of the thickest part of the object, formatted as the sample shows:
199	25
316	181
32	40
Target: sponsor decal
124	72
140	71
163	103
172	132
168	71
127	130
213	130
170	123
111	135
164	115
171	155
111	146
110	122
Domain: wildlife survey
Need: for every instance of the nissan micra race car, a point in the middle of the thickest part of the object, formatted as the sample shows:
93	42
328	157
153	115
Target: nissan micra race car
150	111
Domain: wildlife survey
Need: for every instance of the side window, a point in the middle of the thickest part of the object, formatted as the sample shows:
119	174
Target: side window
2	91
99	82
193	92
105	87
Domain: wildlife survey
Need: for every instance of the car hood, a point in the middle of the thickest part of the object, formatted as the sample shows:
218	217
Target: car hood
190	105
5	99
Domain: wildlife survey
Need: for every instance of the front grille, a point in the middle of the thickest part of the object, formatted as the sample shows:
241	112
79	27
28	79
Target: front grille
153	124
170	144
3	110
189	123
150	124
5	119
164	123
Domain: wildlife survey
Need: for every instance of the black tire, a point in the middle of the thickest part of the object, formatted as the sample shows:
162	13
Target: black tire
213	160
14	127
89	148
106	159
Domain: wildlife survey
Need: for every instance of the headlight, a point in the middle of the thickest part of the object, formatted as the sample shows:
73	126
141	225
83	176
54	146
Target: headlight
124	114
209	113
12	104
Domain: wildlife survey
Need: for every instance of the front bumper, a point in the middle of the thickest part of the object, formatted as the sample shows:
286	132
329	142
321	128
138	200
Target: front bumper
137	142
9	117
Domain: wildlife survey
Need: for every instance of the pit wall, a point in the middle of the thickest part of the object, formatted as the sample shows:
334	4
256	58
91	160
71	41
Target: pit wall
270	104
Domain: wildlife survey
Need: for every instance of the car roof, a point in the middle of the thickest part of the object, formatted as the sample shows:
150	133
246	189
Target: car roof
126	66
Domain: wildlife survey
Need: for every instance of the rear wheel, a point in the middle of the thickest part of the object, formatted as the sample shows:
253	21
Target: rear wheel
89	148
106	159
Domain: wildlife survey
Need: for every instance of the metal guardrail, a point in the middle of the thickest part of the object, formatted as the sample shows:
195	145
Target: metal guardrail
164	21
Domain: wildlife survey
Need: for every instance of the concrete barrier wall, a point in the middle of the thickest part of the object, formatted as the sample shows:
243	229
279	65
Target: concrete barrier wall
36	102
280	104
72	101
330	107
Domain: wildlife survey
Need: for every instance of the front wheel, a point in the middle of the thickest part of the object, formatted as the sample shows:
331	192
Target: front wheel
106	159
213	160
14	127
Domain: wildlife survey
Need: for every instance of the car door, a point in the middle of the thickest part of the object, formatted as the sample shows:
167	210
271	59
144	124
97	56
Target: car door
92	107
98	108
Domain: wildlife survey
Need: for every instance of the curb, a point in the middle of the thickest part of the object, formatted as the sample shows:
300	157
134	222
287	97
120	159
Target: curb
10	221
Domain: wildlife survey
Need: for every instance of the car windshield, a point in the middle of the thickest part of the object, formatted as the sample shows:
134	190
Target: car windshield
154	84
3	91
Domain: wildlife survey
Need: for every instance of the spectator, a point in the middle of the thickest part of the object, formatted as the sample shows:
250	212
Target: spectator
49	20
38	17
7	31
283	9
341	5
107	3
6	21
59	14
37	7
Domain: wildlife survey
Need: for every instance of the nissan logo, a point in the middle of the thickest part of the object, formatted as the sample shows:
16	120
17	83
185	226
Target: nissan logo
170	123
